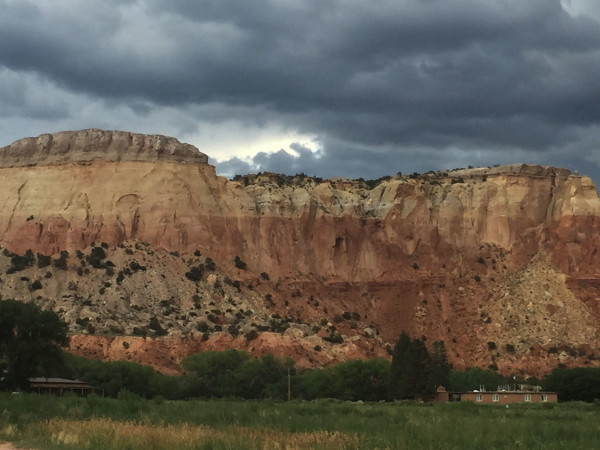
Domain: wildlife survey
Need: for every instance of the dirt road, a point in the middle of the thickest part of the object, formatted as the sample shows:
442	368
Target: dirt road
8	446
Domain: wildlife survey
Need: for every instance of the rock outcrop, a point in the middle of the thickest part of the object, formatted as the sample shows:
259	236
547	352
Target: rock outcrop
89	145
439	254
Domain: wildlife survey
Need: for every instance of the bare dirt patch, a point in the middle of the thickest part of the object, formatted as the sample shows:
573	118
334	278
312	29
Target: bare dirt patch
8	446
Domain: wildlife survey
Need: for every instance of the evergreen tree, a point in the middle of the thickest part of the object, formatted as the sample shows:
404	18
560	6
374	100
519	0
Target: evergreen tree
398	383
440	367
414	372
419	370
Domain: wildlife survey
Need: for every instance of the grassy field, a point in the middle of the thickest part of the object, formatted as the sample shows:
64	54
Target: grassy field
35	421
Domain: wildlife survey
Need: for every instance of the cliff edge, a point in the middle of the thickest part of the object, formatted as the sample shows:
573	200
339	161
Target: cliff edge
87	145
501	263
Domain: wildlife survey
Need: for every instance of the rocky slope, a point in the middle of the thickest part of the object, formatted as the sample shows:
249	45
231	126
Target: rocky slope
499	262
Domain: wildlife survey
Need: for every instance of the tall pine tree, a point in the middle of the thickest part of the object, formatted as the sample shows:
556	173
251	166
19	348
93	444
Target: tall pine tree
398	383
440	367
414	373
419	370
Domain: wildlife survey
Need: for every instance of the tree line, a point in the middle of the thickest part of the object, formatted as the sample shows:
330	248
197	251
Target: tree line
30	341
234	373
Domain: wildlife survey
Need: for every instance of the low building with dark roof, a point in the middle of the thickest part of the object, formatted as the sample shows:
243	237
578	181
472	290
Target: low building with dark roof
58	386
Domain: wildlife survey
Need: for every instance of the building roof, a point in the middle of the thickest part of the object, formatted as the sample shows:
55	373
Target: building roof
58	382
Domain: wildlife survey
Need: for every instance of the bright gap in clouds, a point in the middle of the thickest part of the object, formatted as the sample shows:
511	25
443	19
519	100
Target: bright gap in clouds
224	141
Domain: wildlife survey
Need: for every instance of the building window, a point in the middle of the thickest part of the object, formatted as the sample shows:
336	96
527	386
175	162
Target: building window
544	397
495	398
527	397
479	397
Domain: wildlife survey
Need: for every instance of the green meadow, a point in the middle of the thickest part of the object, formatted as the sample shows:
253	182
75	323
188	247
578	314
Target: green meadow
131	422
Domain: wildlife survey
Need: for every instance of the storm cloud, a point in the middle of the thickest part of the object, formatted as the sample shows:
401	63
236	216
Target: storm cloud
328	87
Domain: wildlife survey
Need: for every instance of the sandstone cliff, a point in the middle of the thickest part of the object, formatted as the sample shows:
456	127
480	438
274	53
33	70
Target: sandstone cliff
88	145
486	259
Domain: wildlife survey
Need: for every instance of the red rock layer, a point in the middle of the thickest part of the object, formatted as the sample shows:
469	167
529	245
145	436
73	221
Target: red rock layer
424	254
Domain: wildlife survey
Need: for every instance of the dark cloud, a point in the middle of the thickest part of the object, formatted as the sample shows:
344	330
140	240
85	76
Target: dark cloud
382	85
341	159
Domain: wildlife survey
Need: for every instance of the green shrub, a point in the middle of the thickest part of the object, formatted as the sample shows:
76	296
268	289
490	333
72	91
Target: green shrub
251	335
96	257
239	263
156	327
61	262
334	338
195	273
18	262
210	265
43	260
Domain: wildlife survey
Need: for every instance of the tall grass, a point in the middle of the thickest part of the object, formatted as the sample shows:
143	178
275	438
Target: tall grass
100	434
133	423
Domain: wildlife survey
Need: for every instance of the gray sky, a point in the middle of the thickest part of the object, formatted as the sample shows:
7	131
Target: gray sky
327	87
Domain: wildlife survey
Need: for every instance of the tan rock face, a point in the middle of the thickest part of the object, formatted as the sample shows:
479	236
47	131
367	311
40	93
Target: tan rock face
88	145
423	254
352	233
